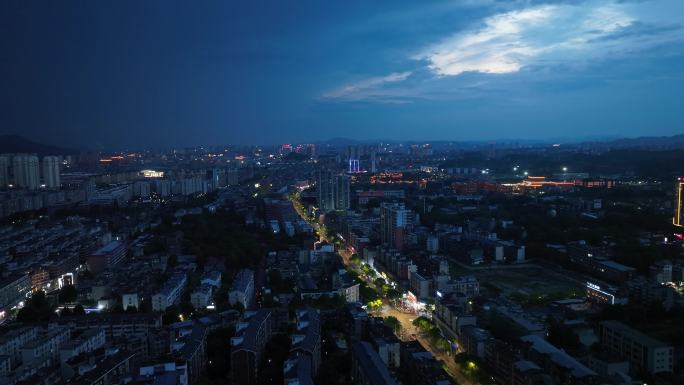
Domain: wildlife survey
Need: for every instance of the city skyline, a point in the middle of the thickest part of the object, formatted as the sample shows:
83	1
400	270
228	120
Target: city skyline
103	76
388	192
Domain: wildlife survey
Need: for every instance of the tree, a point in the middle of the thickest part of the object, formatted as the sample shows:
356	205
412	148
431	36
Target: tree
36	309
422	323
68	294
434	334
218	354
562	336
394	323
171	315
442	344
79	310
374	304
393	294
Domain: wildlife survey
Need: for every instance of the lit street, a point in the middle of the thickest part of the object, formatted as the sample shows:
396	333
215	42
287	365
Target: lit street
408	330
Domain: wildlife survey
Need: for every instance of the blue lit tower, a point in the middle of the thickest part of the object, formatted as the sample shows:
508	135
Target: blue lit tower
354	156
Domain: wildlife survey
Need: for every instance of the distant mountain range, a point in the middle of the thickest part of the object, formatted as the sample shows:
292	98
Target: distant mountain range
608	142
19	144
662	142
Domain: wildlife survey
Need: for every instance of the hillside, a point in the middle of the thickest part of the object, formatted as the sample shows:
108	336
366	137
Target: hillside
19	144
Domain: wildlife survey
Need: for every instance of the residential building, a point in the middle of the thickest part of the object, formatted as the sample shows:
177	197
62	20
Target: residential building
107	256
563	368
51	172
115	325
4	172
26	171
297	370
169	293
333	191
642	351
42	350
211	278
678	218
306	339
167	373
190	349
342	186
367	367
13	290
13	340
242	289
395	223
200	298
130	300
101	367
420	367
421	286
251	335
85	342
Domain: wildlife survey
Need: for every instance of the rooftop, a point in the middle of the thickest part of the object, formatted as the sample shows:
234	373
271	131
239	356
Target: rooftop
372	365
634	334
248	329
558	356
243	278
108	248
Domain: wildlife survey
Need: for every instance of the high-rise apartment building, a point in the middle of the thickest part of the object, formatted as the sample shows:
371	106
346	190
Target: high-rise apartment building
678	218
333	191
342	183
4	171
395	222
326	190
51	172
26	171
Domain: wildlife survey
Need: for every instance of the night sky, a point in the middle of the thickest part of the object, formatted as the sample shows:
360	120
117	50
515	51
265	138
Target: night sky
165	73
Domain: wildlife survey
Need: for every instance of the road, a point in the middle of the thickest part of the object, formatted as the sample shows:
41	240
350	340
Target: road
408	331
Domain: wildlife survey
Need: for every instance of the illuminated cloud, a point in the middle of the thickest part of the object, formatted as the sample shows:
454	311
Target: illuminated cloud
366	88
553	41
507	42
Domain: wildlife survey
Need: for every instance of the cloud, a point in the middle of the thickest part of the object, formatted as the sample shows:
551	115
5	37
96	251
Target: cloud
545	43
367	88
508	42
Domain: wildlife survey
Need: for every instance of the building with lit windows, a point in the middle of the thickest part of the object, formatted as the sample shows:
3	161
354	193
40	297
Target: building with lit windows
333	191
678	219
354	157
395	222
13	290
603	295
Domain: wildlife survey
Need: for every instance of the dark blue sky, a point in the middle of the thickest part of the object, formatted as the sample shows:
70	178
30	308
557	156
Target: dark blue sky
138	73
